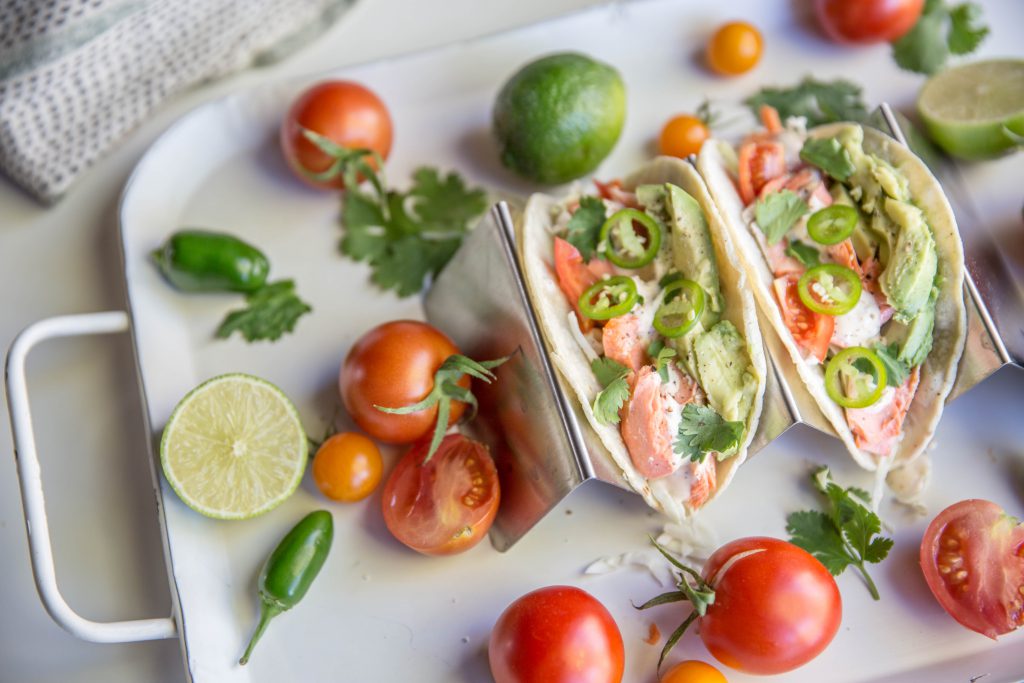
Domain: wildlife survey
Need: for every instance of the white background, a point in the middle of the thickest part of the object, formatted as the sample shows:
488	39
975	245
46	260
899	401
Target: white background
65	260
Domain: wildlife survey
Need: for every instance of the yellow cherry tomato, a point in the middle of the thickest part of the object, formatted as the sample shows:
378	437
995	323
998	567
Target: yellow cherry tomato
693	671
347	467
735	48
682	136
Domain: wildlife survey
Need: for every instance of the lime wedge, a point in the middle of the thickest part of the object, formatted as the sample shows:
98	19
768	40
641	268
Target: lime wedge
976	111
234	447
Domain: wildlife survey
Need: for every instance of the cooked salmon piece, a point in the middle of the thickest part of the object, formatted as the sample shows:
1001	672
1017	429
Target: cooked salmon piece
703	482
624	342
869	272
651	418
877	428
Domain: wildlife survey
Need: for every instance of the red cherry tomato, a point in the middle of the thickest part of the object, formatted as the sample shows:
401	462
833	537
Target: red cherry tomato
776	607
446	505
393	365
759	162
346	113
812	331
867	21
558	634
972	556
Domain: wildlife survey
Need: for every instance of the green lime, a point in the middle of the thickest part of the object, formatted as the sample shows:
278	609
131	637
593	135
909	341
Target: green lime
234	447
976	111
558	117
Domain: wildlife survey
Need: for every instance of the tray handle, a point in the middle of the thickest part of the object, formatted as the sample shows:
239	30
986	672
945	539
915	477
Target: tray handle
30	479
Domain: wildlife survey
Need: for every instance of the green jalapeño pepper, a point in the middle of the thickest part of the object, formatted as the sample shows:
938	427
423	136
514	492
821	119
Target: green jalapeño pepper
830	288
855	377
204	261
626	246
681	308
833	224
608	298
291	568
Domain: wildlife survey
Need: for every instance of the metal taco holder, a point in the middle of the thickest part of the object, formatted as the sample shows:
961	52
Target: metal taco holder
531	420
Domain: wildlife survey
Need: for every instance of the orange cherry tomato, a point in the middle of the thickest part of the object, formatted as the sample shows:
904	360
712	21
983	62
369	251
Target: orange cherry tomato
682	136
735	48
693	671
347	467
346	113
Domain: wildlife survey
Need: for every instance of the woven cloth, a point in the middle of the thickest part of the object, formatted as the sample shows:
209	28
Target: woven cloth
77	75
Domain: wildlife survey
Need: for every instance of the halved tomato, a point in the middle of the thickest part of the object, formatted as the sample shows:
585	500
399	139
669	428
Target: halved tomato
759	162
575	276
812	331
972	556
447	504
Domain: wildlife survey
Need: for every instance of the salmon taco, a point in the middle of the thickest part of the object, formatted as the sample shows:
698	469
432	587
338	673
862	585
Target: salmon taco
855	259
644	306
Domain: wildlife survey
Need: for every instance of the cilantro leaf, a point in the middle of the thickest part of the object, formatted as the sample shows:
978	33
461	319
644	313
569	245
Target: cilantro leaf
406	237
818	101
804	253
896	371
828	155
271	311
845	534
444	204
612	376
704	431
778	212
662	356
940	31
814	532
585	226
965	34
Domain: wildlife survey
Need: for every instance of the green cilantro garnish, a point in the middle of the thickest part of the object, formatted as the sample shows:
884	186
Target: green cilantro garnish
446	389
941	30
828	155
778	212
585	226
704	431
612	376
896	371
271	311
405	237
662	356
846	534
804	253
818	101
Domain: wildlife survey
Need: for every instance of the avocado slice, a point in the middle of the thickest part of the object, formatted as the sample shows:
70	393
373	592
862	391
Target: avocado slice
873	178
724	371
914	339
910	274
692	253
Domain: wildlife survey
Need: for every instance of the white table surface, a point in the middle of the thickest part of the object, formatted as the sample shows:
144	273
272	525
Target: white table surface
65	260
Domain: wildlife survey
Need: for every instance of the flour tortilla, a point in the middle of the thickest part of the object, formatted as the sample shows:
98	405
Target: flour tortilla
535	242
938	373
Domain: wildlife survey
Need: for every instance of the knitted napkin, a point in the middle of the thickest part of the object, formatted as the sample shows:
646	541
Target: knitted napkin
77	75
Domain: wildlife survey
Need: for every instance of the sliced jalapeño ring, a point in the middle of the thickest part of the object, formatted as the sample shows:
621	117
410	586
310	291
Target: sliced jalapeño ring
830	288
864	375
833	224
627	247
681	308
608	298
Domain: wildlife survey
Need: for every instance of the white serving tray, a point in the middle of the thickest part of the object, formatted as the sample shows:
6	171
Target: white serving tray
379	612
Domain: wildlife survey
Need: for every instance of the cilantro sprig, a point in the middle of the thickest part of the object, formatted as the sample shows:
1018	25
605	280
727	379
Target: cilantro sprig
828	155
446	389
804	253
703	431
896	370
817	101
846	534
662	356
942	30
404	236
777	212
270	311
585	226
612	377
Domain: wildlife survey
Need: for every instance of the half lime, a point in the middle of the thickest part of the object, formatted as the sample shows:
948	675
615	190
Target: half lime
976	111
234	447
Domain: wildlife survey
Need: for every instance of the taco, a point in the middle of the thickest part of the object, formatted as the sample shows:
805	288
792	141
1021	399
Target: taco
647	316
855	259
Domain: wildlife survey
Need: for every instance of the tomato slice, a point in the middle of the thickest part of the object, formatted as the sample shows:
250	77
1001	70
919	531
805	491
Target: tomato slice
972	556
812	331
575	277
446	505
759	162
